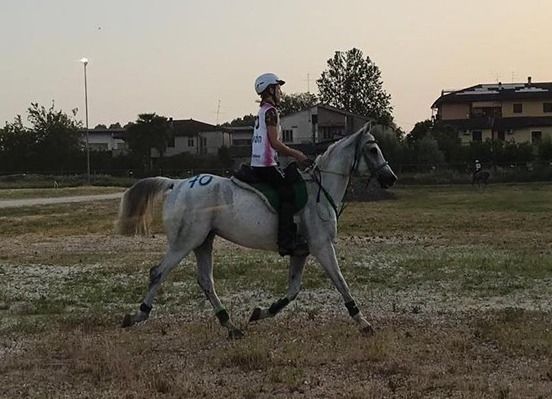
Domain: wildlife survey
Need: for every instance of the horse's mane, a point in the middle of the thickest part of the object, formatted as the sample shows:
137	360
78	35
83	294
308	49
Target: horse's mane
341	143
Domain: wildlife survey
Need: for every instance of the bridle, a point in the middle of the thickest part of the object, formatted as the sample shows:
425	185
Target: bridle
316	173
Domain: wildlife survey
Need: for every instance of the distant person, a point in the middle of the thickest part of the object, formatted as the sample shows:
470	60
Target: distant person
476	170
266	145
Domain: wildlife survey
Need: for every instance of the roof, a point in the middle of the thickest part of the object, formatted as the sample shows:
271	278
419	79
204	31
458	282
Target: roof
329	108
500	123
497	92
190	127
238	129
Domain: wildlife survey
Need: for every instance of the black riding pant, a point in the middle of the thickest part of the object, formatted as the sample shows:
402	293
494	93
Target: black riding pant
273	176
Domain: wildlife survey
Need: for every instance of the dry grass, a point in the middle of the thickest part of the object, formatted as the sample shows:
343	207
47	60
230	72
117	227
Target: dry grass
460	298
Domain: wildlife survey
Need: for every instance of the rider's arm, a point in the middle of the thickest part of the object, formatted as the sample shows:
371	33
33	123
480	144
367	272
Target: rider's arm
272	130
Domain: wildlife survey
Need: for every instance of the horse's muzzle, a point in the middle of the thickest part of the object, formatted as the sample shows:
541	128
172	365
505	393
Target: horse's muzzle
386	178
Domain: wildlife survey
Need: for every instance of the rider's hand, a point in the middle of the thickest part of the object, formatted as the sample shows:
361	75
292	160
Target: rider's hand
306	163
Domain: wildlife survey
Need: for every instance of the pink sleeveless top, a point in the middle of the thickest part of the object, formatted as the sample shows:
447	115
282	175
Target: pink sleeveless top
262	153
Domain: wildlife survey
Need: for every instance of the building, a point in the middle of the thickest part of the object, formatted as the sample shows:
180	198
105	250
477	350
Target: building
106	139
516	112
195	137
318	124
310	130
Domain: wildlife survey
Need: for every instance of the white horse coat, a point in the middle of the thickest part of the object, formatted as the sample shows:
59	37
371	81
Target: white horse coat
202	207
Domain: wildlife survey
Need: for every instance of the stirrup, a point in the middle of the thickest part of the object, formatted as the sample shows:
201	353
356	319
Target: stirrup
298	247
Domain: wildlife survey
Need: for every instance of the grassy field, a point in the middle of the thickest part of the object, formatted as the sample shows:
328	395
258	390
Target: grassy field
457	282
22	193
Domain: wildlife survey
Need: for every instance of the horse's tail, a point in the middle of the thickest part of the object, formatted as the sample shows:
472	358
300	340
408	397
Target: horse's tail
136	208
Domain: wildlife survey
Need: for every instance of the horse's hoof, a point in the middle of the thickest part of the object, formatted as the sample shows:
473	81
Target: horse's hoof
368	331
256	315
127	321
235	334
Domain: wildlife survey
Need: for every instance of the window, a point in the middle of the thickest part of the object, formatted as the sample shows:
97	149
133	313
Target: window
170	141
241	142
327	133
190	141
500	135
518	108
547	107
477	136
536	137
287	136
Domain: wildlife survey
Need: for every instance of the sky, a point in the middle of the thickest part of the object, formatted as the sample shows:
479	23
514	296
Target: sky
199	59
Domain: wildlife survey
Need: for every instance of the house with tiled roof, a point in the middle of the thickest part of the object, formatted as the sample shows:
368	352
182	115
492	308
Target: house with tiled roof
195	137
310	130
516	112
319	123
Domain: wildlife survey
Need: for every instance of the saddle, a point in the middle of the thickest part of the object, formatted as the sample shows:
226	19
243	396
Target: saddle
245	178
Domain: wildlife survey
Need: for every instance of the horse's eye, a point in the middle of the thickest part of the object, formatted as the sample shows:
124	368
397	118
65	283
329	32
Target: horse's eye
374	151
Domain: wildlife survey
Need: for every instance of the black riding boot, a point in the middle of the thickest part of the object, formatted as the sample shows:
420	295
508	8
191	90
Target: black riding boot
289	242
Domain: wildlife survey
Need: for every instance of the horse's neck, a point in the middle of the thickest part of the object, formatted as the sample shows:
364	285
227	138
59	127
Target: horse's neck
335	170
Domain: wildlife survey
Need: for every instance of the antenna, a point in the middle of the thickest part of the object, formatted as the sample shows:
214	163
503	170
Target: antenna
218	111
308	82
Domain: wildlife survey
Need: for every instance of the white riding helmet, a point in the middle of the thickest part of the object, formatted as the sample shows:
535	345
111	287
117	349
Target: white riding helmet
265	80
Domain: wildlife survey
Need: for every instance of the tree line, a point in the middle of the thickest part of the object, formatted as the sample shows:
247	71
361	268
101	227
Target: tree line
352	82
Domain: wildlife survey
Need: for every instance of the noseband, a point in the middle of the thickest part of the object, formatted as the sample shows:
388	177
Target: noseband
356	162
354	171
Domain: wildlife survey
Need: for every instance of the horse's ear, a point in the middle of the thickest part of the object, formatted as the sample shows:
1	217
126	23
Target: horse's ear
367	127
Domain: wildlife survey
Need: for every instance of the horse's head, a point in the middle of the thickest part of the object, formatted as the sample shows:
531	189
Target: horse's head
369	160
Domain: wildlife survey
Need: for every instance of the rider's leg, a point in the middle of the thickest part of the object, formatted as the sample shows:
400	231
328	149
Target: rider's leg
287	244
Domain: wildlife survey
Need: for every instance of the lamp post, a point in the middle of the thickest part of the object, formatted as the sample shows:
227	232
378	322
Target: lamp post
85	63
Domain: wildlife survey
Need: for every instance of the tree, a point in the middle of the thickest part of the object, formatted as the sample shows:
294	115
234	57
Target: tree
16	146
295	102
52	142
420	130
391	143
149	131
427	152
354	84
58	139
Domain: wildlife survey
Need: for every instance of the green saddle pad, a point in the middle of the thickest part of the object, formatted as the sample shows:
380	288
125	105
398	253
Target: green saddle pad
300	189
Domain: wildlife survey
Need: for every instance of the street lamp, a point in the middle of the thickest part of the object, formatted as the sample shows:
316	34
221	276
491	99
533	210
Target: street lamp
85	63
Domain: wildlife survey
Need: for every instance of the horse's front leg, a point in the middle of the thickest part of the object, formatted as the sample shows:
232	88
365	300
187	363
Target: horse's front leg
325	254
296	268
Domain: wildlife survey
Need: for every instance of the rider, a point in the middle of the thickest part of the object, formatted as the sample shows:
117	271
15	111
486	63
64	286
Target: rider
477	168
266	145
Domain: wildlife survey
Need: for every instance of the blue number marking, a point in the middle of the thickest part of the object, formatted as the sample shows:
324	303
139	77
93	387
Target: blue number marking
204	180
192	182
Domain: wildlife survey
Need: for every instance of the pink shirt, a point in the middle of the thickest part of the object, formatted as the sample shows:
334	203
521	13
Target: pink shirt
262	153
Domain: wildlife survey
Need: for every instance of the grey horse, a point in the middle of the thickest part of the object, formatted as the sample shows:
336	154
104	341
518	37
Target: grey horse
198	209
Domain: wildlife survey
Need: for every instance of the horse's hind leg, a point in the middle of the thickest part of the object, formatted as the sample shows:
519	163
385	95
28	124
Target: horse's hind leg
325	254
158	274
204	256
296	267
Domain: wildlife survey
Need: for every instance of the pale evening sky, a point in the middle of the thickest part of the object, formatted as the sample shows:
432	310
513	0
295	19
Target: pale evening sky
178	58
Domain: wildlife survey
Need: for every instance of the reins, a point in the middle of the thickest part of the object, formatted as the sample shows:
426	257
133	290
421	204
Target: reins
316	175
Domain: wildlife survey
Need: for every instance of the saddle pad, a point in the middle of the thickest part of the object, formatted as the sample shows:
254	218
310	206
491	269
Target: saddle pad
270	196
